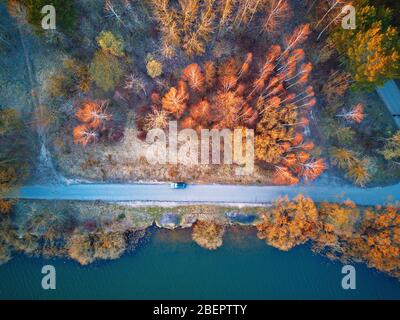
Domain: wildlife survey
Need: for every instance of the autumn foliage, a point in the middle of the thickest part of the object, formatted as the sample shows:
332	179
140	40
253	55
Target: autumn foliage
269	93
84	134
174	102
289	223
93	115
356	168
208	234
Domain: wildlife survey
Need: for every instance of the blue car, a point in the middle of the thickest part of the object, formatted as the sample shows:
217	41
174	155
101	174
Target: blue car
178	185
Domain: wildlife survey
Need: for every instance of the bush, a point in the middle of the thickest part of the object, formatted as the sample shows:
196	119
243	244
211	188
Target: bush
65	13
154	68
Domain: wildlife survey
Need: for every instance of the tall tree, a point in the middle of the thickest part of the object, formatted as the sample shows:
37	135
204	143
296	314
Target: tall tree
289	223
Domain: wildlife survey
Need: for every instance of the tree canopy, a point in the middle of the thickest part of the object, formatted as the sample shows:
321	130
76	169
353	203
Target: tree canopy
372	50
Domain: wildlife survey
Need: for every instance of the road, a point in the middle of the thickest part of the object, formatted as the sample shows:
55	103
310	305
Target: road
208	193
390	94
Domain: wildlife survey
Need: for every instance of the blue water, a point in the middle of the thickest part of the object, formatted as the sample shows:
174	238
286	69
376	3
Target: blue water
170	266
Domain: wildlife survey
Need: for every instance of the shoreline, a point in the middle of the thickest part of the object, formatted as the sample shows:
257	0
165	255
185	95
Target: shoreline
145	273
87	231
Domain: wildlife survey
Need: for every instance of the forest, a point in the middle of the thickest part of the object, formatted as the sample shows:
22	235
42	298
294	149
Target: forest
303	83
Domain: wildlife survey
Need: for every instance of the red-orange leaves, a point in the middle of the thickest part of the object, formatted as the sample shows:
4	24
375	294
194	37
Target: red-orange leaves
210	74
84	134
297	139
188	123
226	108
201	112
299	35
271	95
313	168
193	75
283	176
244	70
93	113
175	100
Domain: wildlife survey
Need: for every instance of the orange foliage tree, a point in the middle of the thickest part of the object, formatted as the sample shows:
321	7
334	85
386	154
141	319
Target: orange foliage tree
371	236
93	114
84	134
208	234
175	100
337	223
378	241
5	206
338	230
193	75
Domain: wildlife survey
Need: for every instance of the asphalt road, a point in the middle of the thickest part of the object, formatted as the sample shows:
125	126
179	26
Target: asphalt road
390	94
208	193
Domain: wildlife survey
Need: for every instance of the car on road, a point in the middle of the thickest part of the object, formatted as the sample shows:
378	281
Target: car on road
178	185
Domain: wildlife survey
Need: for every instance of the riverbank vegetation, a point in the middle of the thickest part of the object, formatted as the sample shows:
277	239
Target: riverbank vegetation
208	234
90	231
339	231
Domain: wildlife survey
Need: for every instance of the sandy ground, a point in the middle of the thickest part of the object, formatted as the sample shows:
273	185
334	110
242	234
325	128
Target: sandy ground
126	161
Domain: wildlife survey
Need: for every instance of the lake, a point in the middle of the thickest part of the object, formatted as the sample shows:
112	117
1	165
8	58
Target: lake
170	266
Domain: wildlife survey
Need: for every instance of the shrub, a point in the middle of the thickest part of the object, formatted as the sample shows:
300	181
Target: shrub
289	223
74	77
110	43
